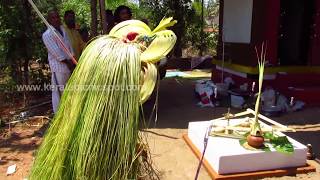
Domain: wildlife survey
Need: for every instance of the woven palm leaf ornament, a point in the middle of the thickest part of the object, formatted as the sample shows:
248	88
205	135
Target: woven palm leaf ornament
155	45
95	133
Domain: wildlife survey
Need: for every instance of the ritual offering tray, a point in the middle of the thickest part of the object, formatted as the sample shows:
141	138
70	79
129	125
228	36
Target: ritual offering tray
228	154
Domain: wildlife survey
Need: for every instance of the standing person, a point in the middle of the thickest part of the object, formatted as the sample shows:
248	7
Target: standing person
84	33
73	34
59	61
122	13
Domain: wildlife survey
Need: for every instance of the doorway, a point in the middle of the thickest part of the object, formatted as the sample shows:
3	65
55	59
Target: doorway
294	32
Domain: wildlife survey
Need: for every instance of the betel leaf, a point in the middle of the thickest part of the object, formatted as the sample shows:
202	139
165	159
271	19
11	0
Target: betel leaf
282	144
268	135
279	143
242	141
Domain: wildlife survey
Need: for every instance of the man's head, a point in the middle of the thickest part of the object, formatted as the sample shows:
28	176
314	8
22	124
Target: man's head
70	19
122	13
109	17
54	18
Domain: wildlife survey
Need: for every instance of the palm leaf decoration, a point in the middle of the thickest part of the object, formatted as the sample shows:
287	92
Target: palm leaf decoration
122	29
164	23
158	48
155	45
95	133
256	128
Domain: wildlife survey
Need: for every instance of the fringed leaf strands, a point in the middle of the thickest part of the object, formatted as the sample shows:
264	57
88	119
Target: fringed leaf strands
95	133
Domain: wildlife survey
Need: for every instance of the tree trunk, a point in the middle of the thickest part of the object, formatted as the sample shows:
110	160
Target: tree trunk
103	17
94	21
28	41
201	32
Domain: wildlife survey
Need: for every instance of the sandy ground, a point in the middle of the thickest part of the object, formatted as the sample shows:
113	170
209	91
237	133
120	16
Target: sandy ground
170	154
17	146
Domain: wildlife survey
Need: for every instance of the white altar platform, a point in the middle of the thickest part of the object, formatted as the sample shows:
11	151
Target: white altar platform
226	155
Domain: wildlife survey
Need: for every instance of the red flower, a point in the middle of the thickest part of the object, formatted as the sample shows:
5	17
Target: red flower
131	36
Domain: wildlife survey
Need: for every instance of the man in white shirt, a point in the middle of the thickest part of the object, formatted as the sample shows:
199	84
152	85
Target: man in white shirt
59	61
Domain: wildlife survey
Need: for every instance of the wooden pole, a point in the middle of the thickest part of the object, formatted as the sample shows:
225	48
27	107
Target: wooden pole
94	21
103	18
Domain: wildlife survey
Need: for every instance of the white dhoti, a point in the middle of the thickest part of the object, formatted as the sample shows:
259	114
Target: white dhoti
58	81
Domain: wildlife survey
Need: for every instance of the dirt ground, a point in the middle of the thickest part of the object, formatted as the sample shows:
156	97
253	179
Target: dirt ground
170	154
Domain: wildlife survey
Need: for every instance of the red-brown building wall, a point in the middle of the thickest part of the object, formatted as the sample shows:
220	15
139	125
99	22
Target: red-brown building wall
265	28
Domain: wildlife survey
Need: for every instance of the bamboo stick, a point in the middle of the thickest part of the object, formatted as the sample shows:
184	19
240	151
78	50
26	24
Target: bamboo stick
236	115
271	121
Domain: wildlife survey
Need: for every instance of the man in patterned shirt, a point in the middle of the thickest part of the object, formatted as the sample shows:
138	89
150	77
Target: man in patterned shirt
59	60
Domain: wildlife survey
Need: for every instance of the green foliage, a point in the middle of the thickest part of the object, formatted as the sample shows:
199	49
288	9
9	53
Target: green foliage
180	10
113	4
197	6
83	14
212	8
20	46
20	36
280	143
6	82
81	9
189	26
